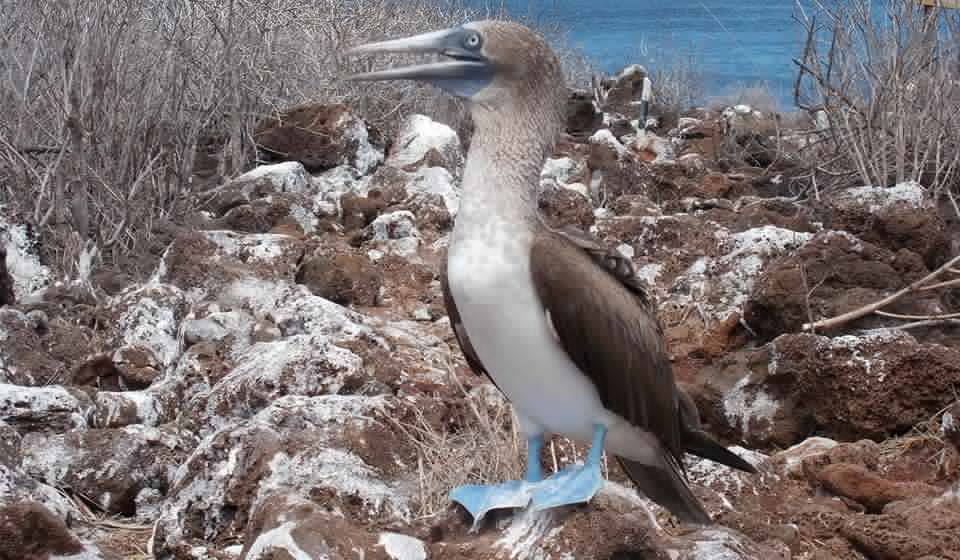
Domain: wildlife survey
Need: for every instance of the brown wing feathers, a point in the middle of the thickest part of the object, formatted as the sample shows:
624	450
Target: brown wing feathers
612	340
601	314
618	345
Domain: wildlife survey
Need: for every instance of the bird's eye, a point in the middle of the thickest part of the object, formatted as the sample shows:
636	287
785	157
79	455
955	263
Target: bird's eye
472	41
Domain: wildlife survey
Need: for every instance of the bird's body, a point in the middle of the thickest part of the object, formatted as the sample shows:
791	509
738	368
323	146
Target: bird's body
492	286
560	324
490	280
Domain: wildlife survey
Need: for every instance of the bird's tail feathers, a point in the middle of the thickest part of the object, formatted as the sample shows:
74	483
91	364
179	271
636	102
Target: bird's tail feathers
665	486
701	444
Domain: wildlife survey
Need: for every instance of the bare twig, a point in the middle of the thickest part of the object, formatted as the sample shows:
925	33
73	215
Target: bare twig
922	324
917	317
844	318
946	284
889	90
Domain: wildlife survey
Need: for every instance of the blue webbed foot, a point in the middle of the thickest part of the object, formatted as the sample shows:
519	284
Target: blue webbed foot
575	484
479	499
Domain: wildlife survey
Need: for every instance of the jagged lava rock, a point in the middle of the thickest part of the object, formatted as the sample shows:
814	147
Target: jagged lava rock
842	273
47	409
652	148
145	324
30	531
321	137
849	387
695	263
23	356
229	329
903	216
396	233
17	486
583	117
342	278
893	537
7	296
202	261
200	367
309	359
791	460
260	182
10	440
741	117
423	142
566	172
22	260
332	446
298	213
624	90
287	523
300	365
433	197
607	140
137	366
110	467
868	488
562	206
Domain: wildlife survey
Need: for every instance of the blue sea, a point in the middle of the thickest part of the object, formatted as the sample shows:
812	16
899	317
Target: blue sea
731	45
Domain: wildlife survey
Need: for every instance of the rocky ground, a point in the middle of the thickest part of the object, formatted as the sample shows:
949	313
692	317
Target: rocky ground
286	386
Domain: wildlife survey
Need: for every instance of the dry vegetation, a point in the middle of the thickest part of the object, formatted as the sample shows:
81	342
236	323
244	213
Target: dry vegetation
485	449
885	80
111	106
677	83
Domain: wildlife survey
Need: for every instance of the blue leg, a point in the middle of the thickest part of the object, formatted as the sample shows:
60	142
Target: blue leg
478	499
534	469
574	484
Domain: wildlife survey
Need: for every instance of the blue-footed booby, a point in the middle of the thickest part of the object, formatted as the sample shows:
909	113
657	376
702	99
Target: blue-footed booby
559	323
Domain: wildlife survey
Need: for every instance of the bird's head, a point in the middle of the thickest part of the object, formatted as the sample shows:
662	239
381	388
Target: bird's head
493	64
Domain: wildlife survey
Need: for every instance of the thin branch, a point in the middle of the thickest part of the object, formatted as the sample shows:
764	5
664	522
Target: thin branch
917	317
945	284
921	324
844	318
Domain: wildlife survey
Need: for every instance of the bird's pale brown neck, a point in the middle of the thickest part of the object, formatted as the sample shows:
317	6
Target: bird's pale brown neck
509	145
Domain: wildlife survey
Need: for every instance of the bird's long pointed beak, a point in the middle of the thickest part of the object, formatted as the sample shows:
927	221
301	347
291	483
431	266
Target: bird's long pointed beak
453	62
425	43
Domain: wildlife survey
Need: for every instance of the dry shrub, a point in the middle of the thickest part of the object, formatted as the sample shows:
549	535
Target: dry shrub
757	96
112	106
484	450
885	80
678	84
113	109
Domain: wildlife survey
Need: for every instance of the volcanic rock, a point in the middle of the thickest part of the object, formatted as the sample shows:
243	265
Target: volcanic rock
343	278
868	488
847	387
561	207
6	281
583	118
29	531
320	137
110	467
266	180
903	216
23	357
832	273
423	142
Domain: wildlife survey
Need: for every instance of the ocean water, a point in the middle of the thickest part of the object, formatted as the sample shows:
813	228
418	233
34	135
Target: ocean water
731	45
